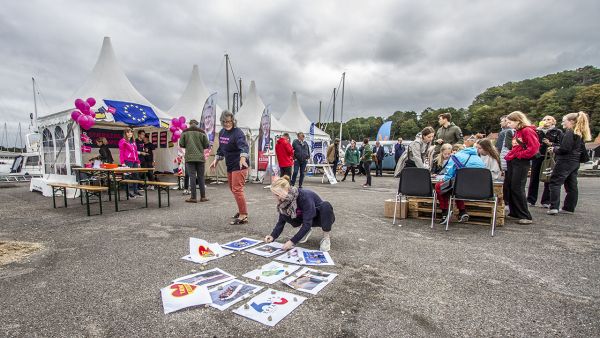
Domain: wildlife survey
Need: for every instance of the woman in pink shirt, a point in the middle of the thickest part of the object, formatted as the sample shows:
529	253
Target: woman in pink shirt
128	156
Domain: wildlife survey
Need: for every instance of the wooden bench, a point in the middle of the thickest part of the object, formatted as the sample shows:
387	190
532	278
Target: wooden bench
90	190
161	187
180	178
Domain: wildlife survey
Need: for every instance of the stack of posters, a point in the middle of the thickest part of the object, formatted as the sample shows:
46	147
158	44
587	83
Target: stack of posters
271	272
270	307
241	244
306	257
225	295
309	280
267	250
178	296
201	251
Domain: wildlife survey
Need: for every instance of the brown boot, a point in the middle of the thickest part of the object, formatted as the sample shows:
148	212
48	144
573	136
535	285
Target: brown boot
191	200
204	199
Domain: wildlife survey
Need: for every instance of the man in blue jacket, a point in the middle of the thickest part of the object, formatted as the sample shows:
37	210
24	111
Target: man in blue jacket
398	150
466	158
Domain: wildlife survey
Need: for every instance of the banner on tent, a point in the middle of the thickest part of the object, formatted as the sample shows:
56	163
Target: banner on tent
264	139
154	139
112	136
163	139
209	118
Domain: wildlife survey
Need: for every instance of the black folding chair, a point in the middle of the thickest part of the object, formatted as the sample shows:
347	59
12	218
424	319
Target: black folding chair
473	184
415	182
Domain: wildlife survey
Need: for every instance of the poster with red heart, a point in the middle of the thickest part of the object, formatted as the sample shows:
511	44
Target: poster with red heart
179	296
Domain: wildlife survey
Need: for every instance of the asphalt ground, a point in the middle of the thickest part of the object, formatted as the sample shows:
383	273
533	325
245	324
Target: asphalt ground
101	276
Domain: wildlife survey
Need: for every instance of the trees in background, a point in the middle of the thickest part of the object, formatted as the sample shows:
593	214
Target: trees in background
554	94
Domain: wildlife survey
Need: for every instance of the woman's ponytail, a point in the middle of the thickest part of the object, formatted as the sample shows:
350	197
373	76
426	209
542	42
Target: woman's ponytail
582	126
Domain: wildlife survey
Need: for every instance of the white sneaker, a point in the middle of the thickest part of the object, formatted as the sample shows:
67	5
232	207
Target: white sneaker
547	206
552	212
325	244
305	238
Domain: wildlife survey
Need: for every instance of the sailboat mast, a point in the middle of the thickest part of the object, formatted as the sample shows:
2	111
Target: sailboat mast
333	106
227	79
342	106
320	105
241	92
35	111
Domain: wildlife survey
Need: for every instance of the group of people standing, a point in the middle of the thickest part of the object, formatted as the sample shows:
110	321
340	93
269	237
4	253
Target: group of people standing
520	147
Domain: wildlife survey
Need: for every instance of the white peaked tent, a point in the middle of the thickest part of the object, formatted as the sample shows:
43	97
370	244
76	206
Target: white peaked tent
295	116
248	117
107	81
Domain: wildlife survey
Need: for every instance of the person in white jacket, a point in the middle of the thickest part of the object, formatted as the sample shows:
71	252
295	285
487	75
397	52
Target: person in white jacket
417	153
490	157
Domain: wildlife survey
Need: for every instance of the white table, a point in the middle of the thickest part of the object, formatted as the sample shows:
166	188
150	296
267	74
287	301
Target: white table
327	172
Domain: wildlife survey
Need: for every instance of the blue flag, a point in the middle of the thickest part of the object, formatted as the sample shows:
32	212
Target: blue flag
384	131
133	114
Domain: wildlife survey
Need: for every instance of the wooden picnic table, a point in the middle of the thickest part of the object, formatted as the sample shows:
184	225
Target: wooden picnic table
111	177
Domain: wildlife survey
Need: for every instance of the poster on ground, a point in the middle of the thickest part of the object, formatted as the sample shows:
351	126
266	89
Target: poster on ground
267	250
306	257
201	251
270	307
206	278
271	272
309	280
225	295
178	296
241	244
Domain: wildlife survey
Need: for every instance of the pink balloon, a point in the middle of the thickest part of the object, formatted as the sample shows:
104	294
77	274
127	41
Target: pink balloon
184	126
85	107
79	104
173	129
177	133
75	115
175	122
181	120
81	119
91	101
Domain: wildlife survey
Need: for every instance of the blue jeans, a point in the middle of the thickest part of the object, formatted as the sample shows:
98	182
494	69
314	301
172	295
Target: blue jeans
298	167
134	176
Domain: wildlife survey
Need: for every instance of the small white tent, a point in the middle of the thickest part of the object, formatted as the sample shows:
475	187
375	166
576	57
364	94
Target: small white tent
107	81
295	116
248	117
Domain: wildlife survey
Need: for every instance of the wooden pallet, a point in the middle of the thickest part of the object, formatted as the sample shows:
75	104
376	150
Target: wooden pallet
479	212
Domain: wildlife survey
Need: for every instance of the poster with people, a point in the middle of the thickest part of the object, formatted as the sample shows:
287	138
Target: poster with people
264	139
209	118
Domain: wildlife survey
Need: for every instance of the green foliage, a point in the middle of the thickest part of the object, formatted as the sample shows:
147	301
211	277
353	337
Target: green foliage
555	94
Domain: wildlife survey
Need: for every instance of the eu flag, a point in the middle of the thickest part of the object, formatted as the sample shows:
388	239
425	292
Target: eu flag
133	114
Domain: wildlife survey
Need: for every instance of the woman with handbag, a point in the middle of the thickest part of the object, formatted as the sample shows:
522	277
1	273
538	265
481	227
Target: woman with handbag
525	146
569	154
549	136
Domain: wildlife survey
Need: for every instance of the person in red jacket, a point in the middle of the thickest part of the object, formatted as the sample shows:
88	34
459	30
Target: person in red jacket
285	155
525	146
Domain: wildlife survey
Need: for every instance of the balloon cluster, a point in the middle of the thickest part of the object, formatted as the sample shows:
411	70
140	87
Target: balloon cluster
177	127
85	140
84	115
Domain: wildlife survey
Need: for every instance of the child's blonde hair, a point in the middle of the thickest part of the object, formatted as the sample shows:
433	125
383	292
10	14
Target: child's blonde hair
439	157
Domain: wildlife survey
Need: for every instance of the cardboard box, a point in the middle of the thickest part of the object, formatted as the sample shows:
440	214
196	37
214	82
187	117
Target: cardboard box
401	211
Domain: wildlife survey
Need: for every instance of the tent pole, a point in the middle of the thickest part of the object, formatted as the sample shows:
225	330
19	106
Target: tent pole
342	107
35	111
227	79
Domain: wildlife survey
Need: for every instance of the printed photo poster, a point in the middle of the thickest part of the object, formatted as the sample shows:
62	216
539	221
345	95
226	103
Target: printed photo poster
241	244
225	295
179	296
264	139
209	118
267	250
271	272
309	280
306	257
270	307
206	278
316	257
201	251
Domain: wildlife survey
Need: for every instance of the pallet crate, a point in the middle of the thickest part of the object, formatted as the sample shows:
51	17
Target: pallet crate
479	212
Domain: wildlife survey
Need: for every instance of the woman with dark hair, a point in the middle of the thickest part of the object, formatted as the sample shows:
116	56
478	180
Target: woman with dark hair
351	158
417	152
525	145
549	136
234	149
366	159
105	155
128	156
490	157
569	154
301	208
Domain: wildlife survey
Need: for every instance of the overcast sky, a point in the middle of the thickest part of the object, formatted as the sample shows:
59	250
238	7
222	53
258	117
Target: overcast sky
398	55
